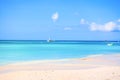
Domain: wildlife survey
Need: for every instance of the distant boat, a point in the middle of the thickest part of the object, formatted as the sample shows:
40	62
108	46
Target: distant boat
109	44
49	40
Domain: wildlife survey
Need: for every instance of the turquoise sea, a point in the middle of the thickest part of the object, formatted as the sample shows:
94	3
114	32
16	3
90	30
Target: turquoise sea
12	51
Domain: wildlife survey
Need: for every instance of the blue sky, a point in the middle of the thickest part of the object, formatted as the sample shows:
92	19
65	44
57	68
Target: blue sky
60	19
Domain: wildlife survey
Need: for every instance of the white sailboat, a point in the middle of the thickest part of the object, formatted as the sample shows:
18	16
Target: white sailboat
49	40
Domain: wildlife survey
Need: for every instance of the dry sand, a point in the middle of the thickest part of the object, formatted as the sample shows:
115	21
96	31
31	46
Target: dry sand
90	68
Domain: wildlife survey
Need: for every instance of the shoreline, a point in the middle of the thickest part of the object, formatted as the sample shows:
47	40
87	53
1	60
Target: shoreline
102	67
110	56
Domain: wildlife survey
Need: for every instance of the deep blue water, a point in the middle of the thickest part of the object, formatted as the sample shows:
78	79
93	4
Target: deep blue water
15	51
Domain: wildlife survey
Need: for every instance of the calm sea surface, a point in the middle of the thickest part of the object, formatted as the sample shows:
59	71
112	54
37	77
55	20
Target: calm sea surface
18	51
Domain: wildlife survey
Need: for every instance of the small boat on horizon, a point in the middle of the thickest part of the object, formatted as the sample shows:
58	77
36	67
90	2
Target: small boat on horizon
49	40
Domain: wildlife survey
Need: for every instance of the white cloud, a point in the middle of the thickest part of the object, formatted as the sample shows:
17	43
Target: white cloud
67	28
55	16
93	26
109	26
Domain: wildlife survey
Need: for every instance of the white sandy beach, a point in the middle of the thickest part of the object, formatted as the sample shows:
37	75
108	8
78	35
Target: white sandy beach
89	68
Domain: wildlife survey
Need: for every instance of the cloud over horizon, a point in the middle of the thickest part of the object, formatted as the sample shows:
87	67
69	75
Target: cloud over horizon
109	26
106	27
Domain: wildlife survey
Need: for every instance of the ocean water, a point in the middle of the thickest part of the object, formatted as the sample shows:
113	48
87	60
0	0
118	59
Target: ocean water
19	51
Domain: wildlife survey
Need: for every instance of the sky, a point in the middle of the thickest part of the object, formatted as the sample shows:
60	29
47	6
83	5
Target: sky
60	19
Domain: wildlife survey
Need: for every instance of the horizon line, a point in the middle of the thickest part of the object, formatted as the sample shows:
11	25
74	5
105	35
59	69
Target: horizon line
58	40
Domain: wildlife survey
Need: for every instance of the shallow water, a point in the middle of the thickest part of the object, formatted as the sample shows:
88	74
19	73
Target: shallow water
15	51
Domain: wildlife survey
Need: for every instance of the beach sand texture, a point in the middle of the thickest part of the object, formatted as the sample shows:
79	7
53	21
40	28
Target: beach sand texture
90	68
